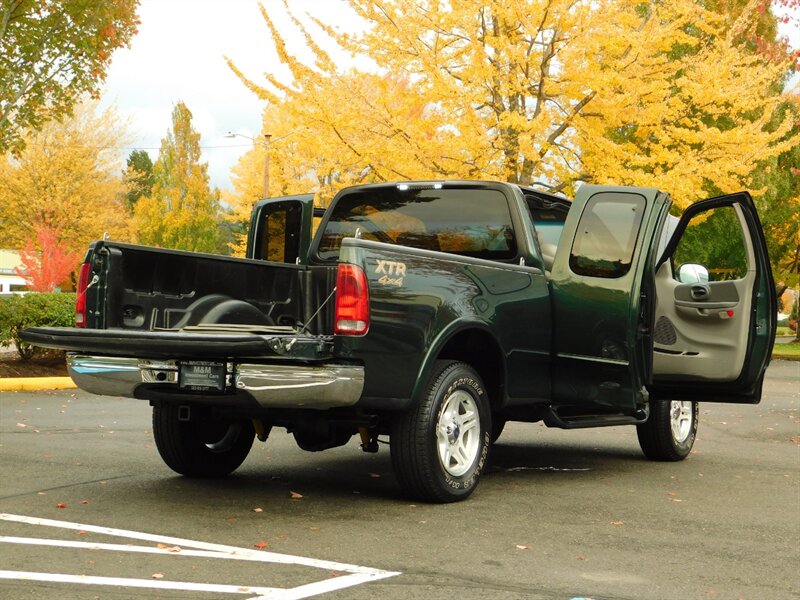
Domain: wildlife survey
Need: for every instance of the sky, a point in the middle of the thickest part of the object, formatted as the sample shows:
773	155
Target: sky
178	55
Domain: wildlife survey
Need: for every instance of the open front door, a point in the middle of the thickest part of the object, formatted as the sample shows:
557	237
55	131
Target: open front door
715	305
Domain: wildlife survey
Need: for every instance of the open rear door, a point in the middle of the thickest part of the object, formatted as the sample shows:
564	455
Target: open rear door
280	229
716	308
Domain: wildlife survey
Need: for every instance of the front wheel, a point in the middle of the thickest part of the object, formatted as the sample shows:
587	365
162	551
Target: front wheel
439	449
670	430
200	447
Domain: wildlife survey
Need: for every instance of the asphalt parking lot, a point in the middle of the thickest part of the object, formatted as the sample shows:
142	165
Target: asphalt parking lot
90	511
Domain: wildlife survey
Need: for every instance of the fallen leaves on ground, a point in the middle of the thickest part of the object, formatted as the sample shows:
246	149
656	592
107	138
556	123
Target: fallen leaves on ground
260	545
522	547
296	495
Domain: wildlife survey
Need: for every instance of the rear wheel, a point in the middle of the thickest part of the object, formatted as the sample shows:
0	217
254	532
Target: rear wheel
200	447
670	430
440	448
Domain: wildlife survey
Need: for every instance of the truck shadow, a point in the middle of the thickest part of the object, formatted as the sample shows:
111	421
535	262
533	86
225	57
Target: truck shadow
339	478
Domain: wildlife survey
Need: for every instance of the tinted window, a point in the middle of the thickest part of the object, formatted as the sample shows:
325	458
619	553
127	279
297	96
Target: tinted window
469	222
606	235
278	237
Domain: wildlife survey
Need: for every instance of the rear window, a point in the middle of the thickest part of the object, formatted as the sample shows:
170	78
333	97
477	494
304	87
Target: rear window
467	222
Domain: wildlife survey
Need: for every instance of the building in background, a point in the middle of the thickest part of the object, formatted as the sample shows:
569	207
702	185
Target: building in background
10	282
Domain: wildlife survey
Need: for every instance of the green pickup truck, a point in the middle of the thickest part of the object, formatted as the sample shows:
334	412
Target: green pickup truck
433	313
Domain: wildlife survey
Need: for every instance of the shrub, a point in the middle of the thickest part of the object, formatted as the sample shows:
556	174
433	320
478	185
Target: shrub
18	312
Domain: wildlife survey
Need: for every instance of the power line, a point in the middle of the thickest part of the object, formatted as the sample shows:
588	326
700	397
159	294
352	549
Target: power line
45	145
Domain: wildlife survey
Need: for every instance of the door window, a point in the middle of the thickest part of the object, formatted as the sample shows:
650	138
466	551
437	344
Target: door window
606	235
712	244
279	232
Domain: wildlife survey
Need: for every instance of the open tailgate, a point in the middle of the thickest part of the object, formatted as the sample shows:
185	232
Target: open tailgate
201	341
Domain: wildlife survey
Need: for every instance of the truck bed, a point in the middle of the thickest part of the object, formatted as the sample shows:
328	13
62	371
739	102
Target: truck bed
151	289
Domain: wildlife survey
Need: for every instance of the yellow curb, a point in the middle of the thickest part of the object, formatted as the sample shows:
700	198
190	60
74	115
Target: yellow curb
15	384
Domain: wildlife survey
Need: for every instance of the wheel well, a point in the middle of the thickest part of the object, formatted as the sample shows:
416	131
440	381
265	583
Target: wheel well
479	350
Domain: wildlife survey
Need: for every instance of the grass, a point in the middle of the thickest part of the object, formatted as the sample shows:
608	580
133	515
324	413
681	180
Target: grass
784	331
790	351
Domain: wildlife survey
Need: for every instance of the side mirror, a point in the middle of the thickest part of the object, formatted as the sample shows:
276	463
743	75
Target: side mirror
690	273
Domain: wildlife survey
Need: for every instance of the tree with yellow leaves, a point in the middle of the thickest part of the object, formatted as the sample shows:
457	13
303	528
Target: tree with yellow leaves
67	177
181	211
539	92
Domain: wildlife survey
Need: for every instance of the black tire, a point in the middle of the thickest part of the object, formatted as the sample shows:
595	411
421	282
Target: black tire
201	447
670	430
498	424
440	448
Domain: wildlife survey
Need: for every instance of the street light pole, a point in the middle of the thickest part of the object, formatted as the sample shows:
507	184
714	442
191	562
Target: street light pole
267	138
265	145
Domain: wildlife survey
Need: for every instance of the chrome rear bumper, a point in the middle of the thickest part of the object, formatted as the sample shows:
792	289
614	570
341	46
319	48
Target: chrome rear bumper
271	386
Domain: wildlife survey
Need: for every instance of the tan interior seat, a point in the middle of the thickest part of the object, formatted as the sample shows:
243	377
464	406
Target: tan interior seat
548	252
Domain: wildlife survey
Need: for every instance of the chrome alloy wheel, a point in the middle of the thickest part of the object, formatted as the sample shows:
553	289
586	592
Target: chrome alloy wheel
680	418
458	433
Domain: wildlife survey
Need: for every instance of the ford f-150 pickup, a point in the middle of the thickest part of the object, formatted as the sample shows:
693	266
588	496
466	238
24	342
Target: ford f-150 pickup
432	313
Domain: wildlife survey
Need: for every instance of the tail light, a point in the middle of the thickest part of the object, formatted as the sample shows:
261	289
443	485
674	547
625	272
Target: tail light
80	297
352	301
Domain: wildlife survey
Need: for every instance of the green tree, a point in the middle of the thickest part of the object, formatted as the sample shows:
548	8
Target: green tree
52	52
774	183
181	211
778	182
138	176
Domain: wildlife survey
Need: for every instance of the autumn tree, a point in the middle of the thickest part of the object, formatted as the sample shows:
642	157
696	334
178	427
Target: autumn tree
138	176
778	178
774	179
47	260
66	177
550	93
52	52
181	211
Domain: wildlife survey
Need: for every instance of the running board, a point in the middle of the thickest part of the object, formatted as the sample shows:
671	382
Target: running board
553	419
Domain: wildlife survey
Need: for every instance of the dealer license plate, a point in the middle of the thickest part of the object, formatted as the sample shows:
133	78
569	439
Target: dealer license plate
202	376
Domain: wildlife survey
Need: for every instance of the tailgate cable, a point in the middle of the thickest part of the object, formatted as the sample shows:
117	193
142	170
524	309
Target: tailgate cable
304	328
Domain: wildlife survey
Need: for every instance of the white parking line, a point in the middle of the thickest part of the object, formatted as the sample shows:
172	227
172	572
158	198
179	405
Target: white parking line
356	574
186	586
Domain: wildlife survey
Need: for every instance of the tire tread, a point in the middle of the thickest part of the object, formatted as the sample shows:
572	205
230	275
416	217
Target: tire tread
408	440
